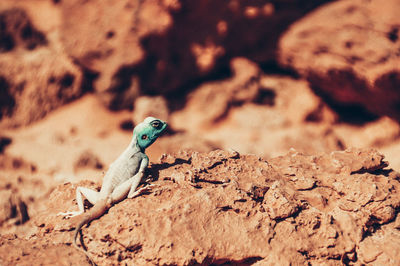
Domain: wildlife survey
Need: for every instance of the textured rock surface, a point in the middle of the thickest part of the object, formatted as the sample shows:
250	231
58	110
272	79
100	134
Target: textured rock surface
22	192
310	206
223	207
108	44
350	52
35	75
253	108
132	51
52	51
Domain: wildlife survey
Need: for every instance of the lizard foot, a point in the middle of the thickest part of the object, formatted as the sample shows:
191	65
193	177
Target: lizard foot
68	215
141	191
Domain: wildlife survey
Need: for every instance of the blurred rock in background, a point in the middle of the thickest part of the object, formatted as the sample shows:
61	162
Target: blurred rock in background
349	51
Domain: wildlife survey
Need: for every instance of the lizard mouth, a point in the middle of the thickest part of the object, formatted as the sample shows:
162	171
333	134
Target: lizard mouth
162	131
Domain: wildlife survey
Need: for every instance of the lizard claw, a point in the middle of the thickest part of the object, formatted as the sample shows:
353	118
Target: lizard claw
141	191
68	215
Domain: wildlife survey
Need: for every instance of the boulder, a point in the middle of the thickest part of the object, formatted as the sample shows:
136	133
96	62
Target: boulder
350	53
35	75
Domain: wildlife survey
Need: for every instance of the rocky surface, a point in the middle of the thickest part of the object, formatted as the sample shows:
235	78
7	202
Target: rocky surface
252	107
259	164
125	51
223	207
188	40
35	75
350	53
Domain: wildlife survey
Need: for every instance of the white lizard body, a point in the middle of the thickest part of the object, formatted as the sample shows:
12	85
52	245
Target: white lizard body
122	177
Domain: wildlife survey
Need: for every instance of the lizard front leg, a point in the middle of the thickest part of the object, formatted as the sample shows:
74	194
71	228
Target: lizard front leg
91	195
123	190
138	177
127	188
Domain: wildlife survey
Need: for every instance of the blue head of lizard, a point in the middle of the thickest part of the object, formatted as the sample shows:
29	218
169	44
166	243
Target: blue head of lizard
148	131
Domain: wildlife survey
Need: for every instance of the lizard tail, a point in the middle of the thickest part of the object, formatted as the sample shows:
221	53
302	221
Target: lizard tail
98	209
76	232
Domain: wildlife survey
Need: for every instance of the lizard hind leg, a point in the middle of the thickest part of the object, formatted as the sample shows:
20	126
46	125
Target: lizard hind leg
91	195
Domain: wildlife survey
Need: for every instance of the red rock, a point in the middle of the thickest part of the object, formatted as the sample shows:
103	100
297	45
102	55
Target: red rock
165	46
216	219
35	76
350	53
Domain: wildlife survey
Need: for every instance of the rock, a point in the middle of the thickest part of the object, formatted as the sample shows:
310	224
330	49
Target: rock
353	61
215	218
35	76
184	142
155	106
212	101
109	44
133	53
18	31
381	248
4	142
278	205
125	52
373	134
88	160
34	87
27	251
253	112
204	36
12	208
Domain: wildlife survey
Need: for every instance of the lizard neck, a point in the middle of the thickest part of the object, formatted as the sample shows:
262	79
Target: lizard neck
134	146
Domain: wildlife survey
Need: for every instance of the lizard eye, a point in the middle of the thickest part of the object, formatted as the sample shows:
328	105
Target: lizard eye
156	124
144	136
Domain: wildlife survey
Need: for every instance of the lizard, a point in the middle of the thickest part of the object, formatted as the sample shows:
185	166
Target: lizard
121	179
